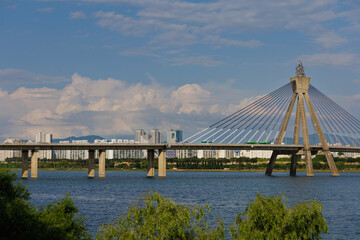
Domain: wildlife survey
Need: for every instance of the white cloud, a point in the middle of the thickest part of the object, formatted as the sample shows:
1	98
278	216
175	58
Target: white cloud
330	39
164	21
49	9
87	106
229	42
332	59
205	61
138	52
78	15
18	77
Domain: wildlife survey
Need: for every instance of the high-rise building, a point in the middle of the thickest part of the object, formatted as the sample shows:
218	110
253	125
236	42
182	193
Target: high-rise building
63	154
174	136
119	153
155	136
4	154
42	137
141	136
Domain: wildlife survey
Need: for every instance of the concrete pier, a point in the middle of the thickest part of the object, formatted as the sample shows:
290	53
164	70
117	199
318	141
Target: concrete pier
34	164
162	163
25	163
150	165
102	155
91	165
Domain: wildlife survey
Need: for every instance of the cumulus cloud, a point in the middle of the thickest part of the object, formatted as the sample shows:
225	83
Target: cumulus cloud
88	106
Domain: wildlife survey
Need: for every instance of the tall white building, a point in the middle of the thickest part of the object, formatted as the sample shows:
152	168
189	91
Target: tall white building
155	136
42	137
79	154
224	154
141	136
174	136
62	154
119	153
205	154
4	154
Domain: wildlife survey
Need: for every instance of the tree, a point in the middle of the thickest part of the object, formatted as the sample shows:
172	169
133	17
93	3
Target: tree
154	217
270	218
21	220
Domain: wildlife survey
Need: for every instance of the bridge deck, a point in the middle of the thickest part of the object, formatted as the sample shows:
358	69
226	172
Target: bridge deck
175	146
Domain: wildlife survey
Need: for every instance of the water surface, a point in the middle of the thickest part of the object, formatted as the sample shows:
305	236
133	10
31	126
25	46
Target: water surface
227	193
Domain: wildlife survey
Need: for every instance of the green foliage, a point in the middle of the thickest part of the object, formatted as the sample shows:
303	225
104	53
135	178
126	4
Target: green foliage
155	217
21	220
340	165
270	218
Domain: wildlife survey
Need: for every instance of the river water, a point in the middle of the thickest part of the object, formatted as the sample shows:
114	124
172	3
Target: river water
227	193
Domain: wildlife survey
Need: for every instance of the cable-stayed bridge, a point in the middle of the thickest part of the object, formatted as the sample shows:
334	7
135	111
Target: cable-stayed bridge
297	111
268	119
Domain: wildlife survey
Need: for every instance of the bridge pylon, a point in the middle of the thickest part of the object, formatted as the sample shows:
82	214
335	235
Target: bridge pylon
300	86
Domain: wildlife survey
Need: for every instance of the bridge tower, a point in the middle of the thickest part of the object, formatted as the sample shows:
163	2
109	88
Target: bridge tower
300	86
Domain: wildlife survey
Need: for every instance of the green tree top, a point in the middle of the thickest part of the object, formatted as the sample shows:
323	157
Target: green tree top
21	220
270	218
155	217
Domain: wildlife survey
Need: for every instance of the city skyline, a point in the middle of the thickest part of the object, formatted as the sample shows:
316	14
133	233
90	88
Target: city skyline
91	67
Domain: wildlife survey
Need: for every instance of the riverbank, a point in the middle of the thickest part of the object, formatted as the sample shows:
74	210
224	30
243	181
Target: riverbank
356	170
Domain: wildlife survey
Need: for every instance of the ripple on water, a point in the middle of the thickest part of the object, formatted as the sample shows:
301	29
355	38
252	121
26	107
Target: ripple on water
227	193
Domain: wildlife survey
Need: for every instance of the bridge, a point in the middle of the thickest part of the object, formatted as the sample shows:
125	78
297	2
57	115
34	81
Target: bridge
266	120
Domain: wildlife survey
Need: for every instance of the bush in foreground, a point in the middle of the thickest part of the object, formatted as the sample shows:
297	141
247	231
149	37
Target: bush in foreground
21	220
270	218
155	217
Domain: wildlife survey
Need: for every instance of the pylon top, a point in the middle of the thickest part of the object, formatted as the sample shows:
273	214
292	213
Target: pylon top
300	70
300	83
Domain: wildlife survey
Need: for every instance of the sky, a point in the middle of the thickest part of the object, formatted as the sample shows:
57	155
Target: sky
109	67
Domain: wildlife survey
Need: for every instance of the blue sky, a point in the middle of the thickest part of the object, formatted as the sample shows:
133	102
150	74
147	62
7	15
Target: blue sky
99	66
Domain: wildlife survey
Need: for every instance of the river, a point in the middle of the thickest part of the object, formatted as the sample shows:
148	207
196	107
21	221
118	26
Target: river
227	193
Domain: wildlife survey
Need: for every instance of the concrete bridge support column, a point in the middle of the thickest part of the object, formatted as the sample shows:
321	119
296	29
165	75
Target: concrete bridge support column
305	133
294	157
34	164
293	164
162	163
91	165
102	155
25	163
150	164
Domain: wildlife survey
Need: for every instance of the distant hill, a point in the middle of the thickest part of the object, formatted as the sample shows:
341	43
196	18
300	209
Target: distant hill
90	138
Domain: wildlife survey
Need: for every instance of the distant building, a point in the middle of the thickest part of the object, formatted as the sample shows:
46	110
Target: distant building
174	136
205	154
4	154
63	154
185	153
79	154
224	154
119	153
141	136
155	136
42	137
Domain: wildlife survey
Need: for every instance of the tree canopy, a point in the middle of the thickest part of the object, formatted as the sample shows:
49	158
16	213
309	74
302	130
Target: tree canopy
270	218
154	217
21	220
